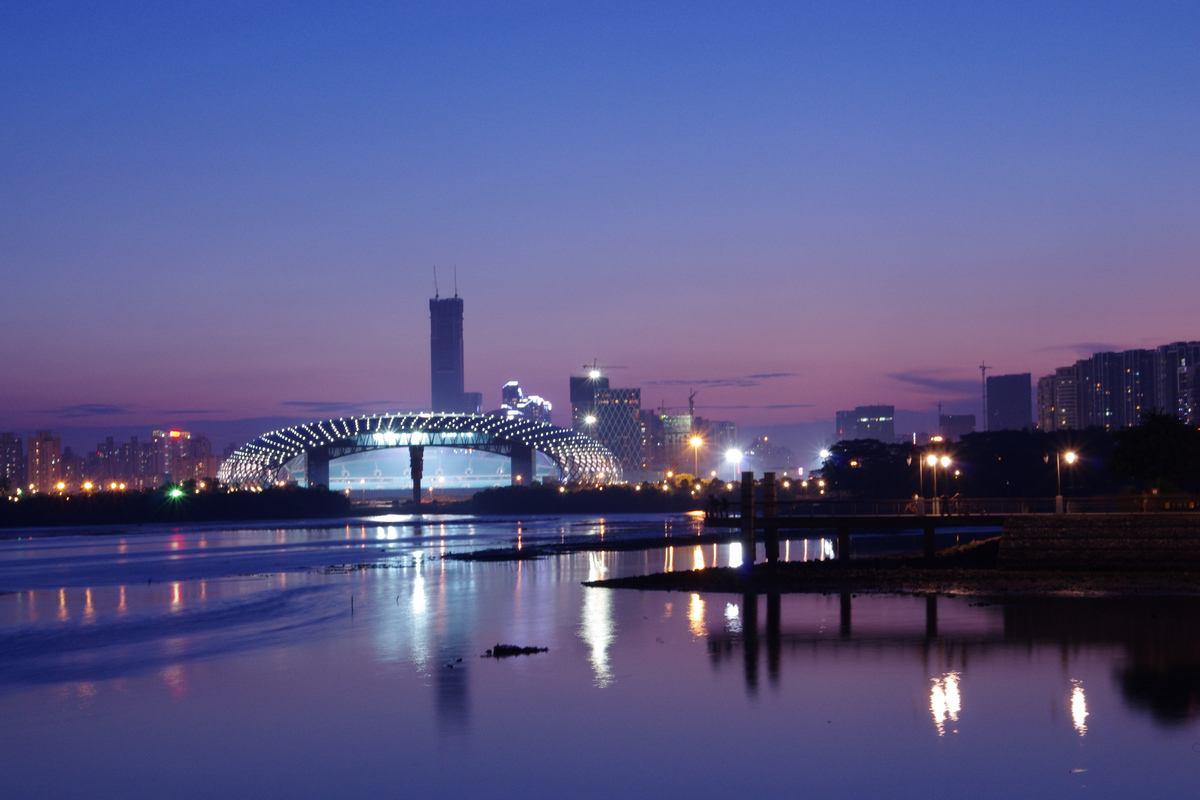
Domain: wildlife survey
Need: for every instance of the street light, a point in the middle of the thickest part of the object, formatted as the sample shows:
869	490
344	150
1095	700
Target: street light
589	420
1070	457
696	442
933	461
733	457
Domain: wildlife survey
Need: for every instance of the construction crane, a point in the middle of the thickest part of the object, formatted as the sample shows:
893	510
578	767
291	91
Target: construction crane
983	368
596	369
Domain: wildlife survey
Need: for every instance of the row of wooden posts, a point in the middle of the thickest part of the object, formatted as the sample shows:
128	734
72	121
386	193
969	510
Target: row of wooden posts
770	523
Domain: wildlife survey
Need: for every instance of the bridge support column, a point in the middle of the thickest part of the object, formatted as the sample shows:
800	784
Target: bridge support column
521	465
930	543
843	543
931	616
316	468
770	526
416	463
748	544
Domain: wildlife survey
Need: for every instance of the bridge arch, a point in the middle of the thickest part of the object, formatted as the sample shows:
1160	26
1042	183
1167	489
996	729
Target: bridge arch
579	458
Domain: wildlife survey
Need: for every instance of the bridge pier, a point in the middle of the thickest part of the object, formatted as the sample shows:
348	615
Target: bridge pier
929	542
770	509
521	463
843	543
416	463
748	544
316	468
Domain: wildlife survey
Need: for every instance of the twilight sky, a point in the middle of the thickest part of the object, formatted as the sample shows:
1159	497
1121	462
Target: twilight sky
213	212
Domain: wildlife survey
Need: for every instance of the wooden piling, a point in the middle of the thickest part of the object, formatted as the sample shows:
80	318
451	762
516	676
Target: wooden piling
770	511
843	543
929	542
748	544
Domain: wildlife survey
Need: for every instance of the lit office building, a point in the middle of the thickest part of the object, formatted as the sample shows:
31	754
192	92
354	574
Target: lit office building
867	422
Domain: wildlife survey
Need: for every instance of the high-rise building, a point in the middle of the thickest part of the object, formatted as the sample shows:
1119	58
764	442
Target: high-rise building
446	370
867	422
171	455
619	426
1066	399
1010	402
12	460
44	463
583	400
1189	394
610	415
1172	365
1046	408
1112	390
953	427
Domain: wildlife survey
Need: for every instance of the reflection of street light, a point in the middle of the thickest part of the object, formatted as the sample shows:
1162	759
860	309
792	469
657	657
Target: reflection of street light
733	457
696	442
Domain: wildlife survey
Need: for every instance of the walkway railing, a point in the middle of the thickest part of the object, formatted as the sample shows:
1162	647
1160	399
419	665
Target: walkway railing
968	506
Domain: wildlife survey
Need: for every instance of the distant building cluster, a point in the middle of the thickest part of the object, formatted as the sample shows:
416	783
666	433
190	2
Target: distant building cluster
643	440
1112	390
43	465
513	400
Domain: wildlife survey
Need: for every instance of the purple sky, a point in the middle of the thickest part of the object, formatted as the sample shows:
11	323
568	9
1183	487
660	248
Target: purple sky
217	213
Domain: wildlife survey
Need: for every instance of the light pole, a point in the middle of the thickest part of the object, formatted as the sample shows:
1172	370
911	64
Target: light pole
933	461
696	442
733	457
1070	457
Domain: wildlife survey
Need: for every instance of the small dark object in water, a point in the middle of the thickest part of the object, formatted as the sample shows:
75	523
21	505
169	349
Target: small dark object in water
506	650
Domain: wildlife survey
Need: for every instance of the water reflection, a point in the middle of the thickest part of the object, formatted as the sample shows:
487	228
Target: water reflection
696	622
596	627
1159	664
1079	711
1078	674
945	702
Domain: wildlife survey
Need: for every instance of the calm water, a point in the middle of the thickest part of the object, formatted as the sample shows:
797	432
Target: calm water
221	662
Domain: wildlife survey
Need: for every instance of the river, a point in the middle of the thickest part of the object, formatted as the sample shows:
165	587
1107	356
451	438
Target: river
345	660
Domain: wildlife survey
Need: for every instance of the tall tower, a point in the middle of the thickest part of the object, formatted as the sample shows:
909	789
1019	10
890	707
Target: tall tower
446	353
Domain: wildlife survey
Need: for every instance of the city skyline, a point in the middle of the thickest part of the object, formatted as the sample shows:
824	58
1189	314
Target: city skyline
783	209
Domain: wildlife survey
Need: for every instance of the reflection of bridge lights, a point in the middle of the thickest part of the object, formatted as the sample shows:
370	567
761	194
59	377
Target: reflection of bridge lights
697	557
1079	711
733	618
735	554
945	702
696	615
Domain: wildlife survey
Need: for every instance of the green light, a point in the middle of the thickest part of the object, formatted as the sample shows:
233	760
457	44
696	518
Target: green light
175	493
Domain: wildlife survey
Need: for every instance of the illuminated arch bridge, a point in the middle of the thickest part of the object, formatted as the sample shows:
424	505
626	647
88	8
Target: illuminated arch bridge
312	445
